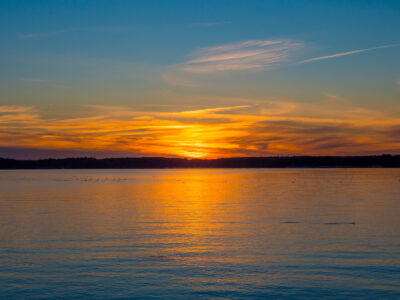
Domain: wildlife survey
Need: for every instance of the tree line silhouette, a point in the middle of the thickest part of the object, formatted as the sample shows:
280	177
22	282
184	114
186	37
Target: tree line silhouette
384	161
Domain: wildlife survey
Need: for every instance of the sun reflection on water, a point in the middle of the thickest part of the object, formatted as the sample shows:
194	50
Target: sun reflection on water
186	231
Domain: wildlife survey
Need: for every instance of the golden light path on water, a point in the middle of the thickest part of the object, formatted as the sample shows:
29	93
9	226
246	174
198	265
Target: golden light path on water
200	233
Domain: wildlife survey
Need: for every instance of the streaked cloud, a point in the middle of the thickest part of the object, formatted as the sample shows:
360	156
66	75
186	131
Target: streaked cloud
213	110
46	82
209	24
36	35
33	80
174	77
273	128
333	97
345	53
16	109
257	55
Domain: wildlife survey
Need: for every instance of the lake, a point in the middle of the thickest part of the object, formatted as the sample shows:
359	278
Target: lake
200	233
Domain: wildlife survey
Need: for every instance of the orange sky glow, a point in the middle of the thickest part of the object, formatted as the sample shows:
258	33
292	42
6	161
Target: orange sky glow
243	130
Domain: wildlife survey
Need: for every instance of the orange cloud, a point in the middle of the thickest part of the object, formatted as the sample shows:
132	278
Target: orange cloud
328	128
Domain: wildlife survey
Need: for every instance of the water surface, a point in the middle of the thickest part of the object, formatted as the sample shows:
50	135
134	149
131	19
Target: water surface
200	233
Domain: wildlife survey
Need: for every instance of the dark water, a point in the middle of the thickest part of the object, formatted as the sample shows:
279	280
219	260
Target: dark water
192	234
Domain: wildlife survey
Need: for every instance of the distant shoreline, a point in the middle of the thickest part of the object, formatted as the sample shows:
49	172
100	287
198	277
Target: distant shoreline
377	161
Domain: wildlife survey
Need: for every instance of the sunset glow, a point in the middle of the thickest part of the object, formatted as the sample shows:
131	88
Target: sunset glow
197	88
206	133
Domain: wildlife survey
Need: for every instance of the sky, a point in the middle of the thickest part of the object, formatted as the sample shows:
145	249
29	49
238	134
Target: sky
199	79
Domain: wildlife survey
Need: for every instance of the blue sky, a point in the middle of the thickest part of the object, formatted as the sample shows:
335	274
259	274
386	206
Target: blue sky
63	58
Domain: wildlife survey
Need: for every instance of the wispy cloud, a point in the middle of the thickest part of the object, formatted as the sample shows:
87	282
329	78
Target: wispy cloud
333	97
324	128
29	36
209	24
33	80
345	53
248	55
174	77
43	82
213	110
36	35
16	109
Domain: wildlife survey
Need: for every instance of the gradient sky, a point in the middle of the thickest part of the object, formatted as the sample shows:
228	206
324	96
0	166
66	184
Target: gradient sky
199	78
